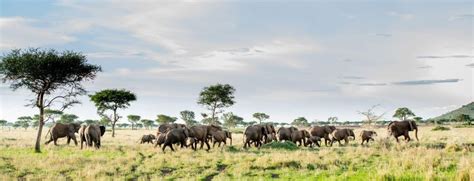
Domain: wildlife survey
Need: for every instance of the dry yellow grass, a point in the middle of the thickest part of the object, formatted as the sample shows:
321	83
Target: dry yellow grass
438	155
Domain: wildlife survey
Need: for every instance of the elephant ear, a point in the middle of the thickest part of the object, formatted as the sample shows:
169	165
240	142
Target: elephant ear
102	130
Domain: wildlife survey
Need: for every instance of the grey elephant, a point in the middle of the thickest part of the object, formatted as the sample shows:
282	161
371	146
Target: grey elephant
60	130
160	139
82	136
163	127
401	128
148	138
177	135
322	132
221	137
270	138
271	132
342	134
313	140
202	134
93	134
255	134
284	134
300	137
366	136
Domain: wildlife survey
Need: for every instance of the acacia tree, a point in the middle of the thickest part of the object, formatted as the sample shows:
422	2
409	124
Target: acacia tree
300	121
188	117
215	98
52	114
403	113
68	118
231	120
24	121
464	118
133	119
370	115
165	119
333	119
112	100
260	117
50	75
147	123
3	123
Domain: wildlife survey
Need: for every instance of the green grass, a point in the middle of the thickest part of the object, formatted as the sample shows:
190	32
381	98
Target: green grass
438	156
440	128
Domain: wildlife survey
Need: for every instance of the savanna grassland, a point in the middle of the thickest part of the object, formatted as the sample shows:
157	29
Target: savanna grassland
439	155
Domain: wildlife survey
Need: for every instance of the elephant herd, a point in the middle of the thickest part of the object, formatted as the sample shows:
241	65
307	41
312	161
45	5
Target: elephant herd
257	135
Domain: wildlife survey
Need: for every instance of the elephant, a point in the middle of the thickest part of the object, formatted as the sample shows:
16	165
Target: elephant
399	128
177	135
255	134
202	133
299	137
221	137
163	127
322	132
270	138
366	136
271	133
313	140
93	134
285	133
148	138
82	136
60	130
160	139
342	134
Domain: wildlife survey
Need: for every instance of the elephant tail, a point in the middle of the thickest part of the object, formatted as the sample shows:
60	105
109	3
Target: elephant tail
49	132
416	134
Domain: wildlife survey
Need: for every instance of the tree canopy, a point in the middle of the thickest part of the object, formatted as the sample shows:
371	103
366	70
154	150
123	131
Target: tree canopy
231	120
217	97
51	75
164	119
68	118
300	121
188	117
403	113
133	119
260	117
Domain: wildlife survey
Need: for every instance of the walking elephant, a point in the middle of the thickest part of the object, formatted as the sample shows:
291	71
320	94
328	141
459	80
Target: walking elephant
82	136
285	133
399	128
60	130
178	135
313	140
322	132
221	137
93	133
299	137
366	136
255	134
271	132
148	138
202	133
163	127
342	134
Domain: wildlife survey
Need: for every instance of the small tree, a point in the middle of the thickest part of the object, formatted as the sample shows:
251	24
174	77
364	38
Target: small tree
403	113
91	121
188	117
260	117
165	119
300	122
231	120
112	99
68	118
370	115
465	119
104	120
52	114
418	119
332	120
147	123
24	121
47	73
215	98
3	123
133	119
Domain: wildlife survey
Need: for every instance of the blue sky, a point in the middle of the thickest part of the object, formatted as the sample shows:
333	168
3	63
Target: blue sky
286	58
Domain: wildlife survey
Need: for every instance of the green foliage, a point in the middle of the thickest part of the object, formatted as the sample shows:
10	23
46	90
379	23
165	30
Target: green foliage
301	121
147	123
52	114
3	122
67	118
188	117
133	119
231	120
91	121
465	118
164	119
112	99
418	119
467	109
403	113
24	121
287	145
260	117
105	121
440	128
217	97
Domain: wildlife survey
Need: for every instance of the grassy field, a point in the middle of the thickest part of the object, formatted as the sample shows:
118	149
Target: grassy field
439	155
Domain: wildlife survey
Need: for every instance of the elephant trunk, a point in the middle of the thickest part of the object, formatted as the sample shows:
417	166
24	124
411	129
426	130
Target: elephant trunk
230	141
416	133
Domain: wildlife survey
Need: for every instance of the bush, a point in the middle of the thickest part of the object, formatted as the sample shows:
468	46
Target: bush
440	128
287	145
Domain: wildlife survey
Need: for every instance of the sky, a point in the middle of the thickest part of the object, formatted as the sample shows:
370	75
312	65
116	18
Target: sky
289	59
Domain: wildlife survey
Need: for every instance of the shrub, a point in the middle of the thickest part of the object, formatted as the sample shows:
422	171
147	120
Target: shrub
287	145
440	128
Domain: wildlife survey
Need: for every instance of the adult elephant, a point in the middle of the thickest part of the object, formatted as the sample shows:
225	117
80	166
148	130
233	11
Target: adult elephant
92	134
82	136
163	127
285	133
271	132
202	133
255	134
60	130
399	128
342	134
300	137
322	132
178	135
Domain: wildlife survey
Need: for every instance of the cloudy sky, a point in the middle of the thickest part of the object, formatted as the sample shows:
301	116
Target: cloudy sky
285	58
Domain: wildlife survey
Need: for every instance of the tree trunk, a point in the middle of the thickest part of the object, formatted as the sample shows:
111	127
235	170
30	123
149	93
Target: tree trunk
114	120
40	126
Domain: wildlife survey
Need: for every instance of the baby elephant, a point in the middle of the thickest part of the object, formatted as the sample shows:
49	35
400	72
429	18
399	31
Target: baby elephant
148	138
221	137
342	134
300	136
313	140
366	136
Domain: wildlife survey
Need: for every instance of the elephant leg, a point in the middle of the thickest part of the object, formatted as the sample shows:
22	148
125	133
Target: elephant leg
362	143
163	148
55	141
219	144
208	146
171	146
407	136
68	140
214	144
74	139
396	137
49	141
202	143
346	141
